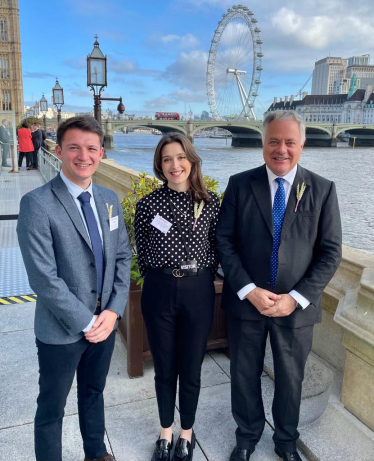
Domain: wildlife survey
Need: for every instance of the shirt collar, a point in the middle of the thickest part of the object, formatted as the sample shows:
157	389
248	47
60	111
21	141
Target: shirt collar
75	190
289	177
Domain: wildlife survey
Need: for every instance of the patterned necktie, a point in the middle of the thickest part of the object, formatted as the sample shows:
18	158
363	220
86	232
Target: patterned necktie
93	230
279	208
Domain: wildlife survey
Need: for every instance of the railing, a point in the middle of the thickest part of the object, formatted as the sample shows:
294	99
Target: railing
1	158
49	164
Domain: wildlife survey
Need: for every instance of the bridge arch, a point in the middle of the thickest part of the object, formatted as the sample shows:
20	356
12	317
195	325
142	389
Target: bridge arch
354	129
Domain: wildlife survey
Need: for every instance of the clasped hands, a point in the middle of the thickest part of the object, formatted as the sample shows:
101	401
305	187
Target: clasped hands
103	326
270	304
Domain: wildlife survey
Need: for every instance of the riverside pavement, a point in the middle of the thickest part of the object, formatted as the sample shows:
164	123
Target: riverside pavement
130	404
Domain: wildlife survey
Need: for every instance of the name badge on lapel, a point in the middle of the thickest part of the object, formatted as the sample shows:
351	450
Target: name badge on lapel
113	223
161	224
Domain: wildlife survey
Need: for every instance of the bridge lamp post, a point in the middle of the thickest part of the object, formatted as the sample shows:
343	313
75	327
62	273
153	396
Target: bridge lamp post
36	109
44	109
58	99
97	80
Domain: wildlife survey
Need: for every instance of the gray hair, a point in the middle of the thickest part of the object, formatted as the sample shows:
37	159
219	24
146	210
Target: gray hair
283	115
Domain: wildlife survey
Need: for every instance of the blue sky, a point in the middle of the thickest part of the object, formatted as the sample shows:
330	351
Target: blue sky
157	50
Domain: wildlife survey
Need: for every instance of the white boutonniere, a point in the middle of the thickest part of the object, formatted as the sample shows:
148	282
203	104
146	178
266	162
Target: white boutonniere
197	209
110	210
299	193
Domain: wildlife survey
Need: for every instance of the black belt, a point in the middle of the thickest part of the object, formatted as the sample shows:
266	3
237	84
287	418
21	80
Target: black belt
179	272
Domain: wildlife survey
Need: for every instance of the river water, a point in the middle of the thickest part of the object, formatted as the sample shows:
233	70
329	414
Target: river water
351	169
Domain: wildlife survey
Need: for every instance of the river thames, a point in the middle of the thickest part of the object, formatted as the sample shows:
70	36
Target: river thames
351	169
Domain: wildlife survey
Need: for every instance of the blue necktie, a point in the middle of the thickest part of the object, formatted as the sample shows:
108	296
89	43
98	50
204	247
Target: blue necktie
93	230
279	208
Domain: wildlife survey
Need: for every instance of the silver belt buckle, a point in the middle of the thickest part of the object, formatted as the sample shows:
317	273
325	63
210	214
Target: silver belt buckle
177	273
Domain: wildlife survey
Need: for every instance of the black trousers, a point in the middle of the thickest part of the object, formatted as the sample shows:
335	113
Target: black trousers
178	314
291	348
28	156
35	158
57	367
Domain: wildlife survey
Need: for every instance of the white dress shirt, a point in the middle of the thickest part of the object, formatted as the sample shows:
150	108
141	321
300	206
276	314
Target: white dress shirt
75	191
273	184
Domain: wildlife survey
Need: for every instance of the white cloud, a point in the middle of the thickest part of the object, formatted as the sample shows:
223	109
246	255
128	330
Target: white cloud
183	41
189	70
188	96
125	66
158	103
318	32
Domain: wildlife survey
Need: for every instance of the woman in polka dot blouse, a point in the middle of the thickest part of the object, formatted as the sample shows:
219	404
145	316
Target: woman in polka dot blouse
175	234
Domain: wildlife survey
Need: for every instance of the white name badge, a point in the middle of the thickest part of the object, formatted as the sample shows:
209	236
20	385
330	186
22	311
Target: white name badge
161	224
113	223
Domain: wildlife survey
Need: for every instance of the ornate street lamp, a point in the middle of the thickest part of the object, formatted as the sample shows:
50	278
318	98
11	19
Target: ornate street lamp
58	99
36	109
44	109
97	79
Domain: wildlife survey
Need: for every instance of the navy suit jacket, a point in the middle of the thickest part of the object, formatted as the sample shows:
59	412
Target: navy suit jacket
310	247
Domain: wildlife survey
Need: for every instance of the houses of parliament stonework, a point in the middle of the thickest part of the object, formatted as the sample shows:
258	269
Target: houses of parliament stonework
11	86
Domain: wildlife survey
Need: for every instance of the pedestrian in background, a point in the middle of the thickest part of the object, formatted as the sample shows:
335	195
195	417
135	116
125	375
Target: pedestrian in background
37	140
25	145
175	233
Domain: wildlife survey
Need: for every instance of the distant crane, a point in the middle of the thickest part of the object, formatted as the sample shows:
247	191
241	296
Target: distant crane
305	84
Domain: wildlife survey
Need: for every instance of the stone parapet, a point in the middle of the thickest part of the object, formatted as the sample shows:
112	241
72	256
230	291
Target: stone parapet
355	314
115	177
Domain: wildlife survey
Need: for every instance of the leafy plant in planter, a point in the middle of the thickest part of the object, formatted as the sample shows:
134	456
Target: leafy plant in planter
140	187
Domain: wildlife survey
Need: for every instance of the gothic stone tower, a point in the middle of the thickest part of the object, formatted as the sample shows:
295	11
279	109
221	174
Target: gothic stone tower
11	86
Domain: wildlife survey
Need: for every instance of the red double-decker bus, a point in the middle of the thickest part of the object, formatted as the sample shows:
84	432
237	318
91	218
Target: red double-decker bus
167	116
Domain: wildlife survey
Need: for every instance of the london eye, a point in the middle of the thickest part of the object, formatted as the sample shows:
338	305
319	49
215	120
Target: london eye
234	66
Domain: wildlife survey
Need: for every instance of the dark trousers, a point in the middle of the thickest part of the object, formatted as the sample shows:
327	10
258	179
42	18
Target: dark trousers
291	348
178	313
28	156
57	367
35	158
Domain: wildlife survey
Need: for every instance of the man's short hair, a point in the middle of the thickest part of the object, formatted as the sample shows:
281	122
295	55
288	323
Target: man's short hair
283	115
4	120
80	122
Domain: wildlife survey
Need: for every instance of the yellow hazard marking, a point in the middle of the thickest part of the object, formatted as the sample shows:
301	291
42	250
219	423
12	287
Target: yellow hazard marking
13	298
2	301
28	298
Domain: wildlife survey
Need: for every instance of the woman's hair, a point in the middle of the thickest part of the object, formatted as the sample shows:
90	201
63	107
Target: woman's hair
197	189
25	125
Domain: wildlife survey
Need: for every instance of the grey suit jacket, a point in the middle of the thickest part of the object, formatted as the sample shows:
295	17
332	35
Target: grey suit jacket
310	247
61	265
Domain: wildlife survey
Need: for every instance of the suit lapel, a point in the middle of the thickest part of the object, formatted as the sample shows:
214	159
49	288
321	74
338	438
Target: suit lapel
290	215
63	195
103	213
261	191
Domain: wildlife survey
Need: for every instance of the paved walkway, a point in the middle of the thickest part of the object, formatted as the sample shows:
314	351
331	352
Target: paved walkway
131	409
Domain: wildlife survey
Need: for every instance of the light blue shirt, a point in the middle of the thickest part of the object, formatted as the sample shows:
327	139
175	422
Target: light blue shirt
75	191
288	181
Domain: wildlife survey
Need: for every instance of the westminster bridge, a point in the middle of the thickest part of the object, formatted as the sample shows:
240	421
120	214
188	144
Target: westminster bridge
248	134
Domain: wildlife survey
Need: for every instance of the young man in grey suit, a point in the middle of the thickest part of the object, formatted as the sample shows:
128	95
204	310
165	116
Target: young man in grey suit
279	243
77	256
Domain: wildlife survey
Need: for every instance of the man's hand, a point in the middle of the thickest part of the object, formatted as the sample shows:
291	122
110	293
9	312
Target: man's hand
102	327
263	300
285	306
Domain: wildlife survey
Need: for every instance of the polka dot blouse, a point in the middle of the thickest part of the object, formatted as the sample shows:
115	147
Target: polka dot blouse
156	249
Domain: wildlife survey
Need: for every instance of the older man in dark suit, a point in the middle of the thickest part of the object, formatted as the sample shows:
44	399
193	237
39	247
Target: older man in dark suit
77	256
5	139
279	243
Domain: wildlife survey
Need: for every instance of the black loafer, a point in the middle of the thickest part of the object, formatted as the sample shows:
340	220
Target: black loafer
184	449
240	454
292	456
162	450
